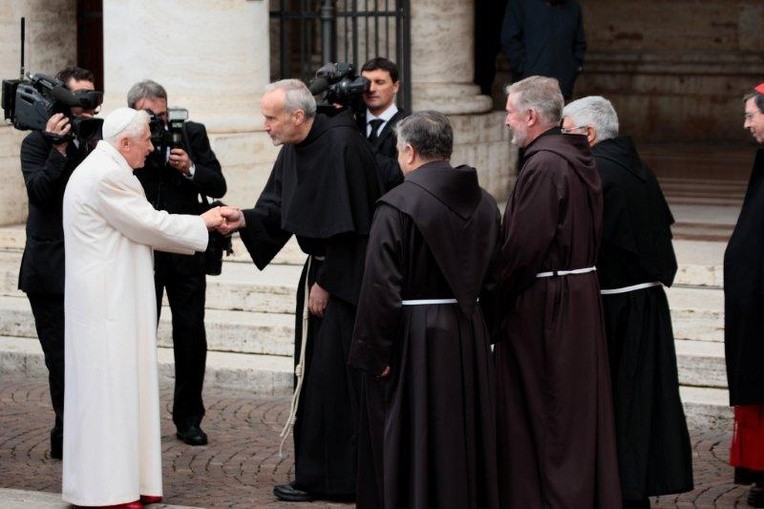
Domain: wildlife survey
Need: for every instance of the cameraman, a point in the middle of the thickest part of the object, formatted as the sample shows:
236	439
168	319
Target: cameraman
380	116
173	179
47	160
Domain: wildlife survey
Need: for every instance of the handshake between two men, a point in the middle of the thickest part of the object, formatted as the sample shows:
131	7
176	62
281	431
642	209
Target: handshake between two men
223	219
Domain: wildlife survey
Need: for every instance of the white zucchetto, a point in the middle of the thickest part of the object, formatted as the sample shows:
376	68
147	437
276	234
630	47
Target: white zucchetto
116	121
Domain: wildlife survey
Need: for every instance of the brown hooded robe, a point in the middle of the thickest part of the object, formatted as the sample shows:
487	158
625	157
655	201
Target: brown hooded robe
556	437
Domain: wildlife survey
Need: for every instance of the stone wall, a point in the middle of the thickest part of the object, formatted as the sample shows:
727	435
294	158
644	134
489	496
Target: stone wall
675	70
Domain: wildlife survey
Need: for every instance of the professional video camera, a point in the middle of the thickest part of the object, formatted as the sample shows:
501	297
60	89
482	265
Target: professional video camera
30	101
339	84
167	136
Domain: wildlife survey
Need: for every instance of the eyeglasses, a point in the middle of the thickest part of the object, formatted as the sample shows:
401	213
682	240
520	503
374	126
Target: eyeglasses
570	130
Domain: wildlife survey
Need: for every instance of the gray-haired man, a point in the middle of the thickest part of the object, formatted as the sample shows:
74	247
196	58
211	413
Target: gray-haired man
322	190
636	259
173	178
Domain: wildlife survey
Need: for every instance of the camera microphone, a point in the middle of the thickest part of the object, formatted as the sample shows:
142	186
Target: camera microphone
318	85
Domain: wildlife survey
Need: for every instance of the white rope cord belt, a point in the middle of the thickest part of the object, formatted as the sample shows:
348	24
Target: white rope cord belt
632	288
299	370
554	273
427	302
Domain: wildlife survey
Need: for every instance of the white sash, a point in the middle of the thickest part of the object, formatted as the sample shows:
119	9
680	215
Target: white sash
632	288
566	272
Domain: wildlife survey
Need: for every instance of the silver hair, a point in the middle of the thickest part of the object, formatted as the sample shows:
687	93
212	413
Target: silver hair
146	89
296	96
540	94
595	111
429	133
132	130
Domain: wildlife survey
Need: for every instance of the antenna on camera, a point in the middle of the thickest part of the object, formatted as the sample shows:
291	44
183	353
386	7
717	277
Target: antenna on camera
23	25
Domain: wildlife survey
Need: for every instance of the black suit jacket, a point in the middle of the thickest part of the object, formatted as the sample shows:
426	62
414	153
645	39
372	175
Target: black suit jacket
167	189
46	172
385	150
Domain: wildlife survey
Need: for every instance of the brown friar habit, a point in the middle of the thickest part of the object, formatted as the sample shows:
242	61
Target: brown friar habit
323	191
555	433
427	432
654	450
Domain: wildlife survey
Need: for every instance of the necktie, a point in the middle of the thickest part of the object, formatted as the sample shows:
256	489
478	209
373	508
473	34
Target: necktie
375	123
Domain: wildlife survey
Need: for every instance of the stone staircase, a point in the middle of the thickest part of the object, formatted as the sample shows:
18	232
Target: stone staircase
250	324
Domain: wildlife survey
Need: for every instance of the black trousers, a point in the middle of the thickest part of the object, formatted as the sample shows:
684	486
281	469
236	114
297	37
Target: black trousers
186	295
48	311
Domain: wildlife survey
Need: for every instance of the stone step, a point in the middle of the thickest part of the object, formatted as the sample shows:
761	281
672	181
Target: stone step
701	364
262	374
227	331
705	407
13	237
697	313
240	286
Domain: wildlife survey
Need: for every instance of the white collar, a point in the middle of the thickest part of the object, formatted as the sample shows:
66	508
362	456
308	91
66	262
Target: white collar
385	115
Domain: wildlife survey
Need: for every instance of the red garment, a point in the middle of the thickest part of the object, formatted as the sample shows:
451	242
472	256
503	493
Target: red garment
747	450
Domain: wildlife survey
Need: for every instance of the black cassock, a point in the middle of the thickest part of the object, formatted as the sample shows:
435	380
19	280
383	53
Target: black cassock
427	432
654	450
744	296
323	191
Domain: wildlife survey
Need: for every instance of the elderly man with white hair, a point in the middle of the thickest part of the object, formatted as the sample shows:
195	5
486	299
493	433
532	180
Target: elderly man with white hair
636	259
112	454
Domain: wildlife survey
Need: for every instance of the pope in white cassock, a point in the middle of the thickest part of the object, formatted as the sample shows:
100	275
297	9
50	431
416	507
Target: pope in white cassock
112	454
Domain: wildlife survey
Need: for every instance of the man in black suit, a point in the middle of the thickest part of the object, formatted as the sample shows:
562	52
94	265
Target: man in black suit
47	160
381	115
173	180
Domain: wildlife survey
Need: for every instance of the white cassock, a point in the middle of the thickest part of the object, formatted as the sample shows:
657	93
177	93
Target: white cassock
112	450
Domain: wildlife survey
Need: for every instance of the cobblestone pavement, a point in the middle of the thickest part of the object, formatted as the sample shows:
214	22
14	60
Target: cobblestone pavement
241	464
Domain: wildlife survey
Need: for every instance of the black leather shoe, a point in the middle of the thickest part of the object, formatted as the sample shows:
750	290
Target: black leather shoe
756	497
193	435
289	493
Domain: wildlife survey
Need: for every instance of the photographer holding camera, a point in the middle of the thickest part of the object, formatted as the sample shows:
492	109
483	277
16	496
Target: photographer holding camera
173	178
47	160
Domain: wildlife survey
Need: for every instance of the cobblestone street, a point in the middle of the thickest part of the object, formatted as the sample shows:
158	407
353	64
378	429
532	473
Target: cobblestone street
241	464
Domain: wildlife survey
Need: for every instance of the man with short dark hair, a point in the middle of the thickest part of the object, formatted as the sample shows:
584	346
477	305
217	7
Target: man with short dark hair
556	435
744	317
377	123
47	160
174	180
635	261
420	334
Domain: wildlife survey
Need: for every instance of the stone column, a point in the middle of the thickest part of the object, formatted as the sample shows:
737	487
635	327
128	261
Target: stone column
213	59
442	70
442	66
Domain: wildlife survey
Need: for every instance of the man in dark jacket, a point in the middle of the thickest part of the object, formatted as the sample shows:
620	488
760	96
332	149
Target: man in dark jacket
556	435
47	161
744	317
173	180
420	333
322	190
636	260
544	38
377	122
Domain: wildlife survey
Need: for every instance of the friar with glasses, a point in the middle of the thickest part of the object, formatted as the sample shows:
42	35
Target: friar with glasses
427	430
744	316
636	260
556	435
